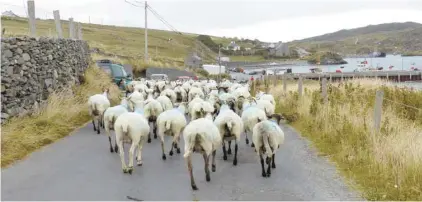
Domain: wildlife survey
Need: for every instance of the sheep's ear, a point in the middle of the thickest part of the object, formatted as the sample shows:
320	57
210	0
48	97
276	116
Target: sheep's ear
278	117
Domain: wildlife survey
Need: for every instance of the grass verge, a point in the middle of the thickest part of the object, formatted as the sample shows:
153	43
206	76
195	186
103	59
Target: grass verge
386	166
65	111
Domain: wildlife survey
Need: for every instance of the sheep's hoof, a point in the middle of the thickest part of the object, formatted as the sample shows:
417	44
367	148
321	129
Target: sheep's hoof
139	163
155	136
194	187
129	170
273	166
171	153
268	174
111	149
264	174
149	140
98	131
125	170
252	145
225	157
164	157
247	141
207	177
229	151
178	150
213	168
235	162
116	149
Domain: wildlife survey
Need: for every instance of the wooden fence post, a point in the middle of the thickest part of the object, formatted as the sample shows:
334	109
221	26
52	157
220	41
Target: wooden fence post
59	30
31	18
71	29
79	31
378	110
300	86
284	83
275	80
324	90
331	78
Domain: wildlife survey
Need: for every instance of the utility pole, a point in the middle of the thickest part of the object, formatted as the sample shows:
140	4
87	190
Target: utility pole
146	33
219	64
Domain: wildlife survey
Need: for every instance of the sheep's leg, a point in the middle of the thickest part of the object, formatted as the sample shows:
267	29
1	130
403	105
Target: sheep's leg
235	154
173	145
213	166
122	156
224	150
93	123
192	180
246	135
176	145
107	129
273	161
155	129
99	125
116	148
229	151
162	147
149	136
131	153
264	174
207	168
139	155
268	161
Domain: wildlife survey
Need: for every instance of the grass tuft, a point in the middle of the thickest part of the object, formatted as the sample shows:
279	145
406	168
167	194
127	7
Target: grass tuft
65	111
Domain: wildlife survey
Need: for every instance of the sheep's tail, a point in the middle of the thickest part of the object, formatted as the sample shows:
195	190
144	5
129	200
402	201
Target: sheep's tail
193	140
125	127
95	111
268	150
168	125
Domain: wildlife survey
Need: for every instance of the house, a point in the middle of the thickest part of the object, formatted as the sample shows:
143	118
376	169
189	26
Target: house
193	60
302	52
9	14
279	49
223	59
233	46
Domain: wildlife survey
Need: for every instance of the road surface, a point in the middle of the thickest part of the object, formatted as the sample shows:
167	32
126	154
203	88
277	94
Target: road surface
80	167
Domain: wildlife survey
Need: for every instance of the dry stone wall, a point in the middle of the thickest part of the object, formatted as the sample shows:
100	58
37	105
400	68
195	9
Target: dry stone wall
31	69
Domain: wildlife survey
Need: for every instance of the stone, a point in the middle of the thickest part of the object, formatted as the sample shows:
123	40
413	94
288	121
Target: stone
26	56
3	88
8	53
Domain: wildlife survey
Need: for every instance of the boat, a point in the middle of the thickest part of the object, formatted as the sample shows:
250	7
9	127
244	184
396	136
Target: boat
316	70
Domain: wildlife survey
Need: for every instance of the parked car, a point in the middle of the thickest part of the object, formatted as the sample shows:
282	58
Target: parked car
116	71
159	77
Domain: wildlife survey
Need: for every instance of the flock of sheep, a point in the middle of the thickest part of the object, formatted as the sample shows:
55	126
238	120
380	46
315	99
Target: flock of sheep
218	113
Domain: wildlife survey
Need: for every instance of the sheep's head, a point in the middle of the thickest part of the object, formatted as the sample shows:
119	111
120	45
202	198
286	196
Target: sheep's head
183	106
277	117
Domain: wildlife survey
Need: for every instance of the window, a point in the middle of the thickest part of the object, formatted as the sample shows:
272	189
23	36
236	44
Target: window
106	69
118	71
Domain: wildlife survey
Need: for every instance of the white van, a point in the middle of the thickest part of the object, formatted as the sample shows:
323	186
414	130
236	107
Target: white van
159	77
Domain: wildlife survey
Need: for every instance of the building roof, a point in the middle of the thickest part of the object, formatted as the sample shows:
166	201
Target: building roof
9	14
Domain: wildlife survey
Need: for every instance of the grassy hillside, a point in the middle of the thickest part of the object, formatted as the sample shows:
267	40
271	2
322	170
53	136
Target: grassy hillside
389	37
125	42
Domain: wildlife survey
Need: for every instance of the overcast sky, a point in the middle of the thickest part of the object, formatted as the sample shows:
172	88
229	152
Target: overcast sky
272	21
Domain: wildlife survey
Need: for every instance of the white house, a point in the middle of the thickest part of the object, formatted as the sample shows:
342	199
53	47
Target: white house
214	69
280	49
233	46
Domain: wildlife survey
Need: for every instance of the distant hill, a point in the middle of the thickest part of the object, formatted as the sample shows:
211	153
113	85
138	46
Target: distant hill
389	37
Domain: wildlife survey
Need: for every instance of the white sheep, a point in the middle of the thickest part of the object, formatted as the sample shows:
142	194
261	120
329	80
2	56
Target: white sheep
263	96
181	95
251	115
230	126
165	102
172	122
201	135
200	109
266	106
110	116
135	100
131	126
97	105
152	110
267	137
192	102
170	94
193	92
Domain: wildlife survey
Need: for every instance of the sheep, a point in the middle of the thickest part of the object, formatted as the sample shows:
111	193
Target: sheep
195	91
97	105
192	102
200	109
172	122
135	100
266	106
230	126
267	137
201	135
186	86
134	127
165	102
229	99
263	96
152	109
251	115
181	95
110	116
170	94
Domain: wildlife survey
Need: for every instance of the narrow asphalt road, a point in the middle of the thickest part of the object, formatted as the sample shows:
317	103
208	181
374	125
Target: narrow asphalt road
81	167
